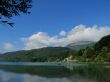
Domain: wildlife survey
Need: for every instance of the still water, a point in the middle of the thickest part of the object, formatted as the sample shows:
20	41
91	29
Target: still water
53	72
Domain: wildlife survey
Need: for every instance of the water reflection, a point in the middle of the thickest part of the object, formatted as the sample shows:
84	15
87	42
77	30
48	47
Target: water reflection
12	77
17	73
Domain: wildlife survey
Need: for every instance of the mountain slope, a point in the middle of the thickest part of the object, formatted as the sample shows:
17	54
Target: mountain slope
104	42
100	52
80	45
86	51
42	54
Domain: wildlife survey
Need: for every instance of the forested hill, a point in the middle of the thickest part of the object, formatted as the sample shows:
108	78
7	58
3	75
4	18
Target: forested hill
43	54
103	43
99	52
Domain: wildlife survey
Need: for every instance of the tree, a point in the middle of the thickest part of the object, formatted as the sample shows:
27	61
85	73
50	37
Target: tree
10	8
104	42
108	57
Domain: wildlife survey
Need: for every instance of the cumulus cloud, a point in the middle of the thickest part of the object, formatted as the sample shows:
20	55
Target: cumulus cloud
62	33
8	46
78	33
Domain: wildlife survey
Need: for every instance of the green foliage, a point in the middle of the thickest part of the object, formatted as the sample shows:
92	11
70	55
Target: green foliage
40	55
10	8
100	52
99	59
104	42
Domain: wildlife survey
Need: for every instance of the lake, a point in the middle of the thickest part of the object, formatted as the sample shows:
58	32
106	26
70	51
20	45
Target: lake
53	72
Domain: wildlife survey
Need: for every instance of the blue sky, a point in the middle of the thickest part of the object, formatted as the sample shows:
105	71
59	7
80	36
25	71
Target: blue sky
54	16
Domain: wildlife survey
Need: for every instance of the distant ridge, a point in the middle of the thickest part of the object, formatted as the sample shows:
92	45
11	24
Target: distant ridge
80	45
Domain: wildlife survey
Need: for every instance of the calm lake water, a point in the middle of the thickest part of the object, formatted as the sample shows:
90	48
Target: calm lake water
53	72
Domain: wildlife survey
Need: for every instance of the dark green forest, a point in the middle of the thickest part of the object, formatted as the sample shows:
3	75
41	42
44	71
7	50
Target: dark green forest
43	54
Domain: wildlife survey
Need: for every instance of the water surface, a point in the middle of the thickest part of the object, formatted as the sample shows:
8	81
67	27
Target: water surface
53	72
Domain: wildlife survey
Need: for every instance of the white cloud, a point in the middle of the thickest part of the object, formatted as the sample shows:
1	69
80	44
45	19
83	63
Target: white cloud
8	46
78	33
62	33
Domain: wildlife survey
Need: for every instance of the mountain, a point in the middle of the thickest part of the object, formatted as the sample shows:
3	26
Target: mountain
43	54
104	42
80	45
100	52
84	51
